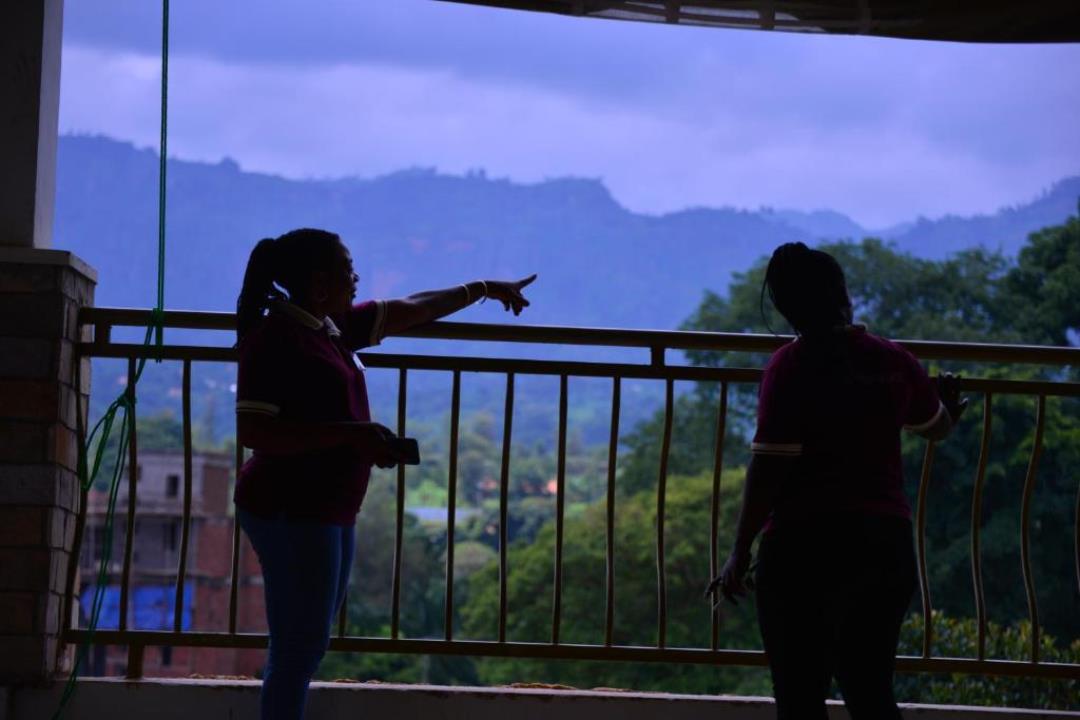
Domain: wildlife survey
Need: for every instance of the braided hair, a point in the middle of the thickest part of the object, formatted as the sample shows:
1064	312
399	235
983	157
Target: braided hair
282	268
808	288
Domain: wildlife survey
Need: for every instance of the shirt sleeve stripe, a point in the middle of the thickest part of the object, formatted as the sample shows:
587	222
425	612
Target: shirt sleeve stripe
378	328
790	449
258	407
921	427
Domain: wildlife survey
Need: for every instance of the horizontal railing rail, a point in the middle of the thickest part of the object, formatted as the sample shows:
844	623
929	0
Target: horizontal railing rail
103	320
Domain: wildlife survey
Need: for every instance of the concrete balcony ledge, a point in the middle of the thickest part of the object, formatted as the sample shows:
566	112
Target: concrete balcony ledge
238	700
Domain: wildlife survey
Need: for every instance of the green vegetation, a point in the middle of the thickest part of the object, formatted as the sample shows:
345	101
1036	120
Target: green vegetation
958	637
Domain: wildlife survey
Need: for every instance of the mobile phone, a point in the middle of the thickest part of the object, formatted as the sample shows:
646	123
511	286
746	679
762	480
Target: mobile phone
406	450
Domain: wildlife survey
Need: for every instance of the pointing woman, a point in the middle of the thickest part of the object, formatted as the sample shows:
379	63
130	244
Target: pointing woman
302	407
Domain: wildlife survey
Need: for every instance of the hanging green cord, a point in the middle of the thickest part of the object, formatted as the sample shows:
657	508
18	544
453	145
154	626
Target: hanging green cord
126	401
157	317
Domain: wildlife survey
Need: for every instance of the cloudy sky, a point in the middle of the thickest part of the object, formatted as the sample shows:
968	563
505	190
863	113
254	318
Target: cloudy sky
668	117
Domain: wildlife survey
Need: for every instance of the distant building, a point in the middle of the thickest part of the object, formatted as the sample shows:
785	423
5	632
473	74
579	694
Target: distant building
155	560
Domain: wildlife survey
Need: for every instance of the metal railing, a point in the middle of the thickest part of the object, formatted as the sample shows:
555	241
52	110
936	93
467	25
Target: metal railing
102	320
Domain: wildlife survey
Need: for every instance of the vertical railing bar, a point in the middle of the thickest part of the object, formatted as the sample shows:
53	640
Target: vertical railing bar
976	523
920	544
504	496
1076	538
135	654
234	573
451	508
133	476
1025	526
80	517
343	614
102	333
76	554
714	510
661	503
613	451
560	506
399	515
185	520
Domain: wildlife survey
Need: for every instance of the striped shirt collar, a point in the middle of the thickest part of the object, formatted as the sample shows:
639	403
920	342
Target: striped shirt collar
305	318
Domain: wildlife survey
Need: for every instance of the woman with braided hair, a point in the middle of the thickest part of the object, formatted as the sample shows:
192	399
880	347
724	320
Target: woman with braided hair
302	407
836	567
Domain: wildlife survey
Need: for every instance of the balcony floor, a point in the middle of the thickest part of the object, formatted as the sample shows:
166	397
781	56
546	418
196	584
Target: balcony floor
107	699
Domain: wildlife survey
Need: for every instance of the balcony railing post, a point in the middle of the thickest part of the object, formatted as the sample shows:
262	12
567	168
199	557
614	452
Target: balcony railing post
976	526
1025	526
920	546
234	570
451	506
661	503
560	509
609	544
181	570
134	670
714	514
504	492
133	477
399	512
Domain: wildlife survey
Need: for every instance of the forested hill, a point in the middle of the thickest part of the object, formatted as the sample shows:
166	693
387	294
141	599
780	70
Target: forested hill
599	263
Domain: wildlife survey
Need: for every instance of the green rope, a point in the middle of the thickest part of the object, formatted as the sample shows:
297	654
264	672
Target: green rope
126	401
157	316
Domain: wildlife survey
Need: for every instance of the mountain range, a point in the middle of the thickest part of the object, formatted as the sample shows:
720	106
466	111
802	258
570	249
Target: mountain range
599	263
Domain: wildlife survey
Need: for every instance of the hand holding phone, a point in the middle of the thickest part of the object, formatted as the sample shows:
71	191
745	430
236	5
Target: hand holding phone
405	449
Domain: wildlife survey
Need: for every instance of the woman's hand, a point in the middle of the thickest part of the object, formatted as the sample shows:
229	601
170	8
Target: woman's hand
731	580
372	440
948	386
509	293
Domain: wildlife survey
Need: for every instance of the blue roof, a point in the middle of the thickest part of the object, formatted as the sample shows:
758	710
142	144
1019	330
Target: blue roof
150	607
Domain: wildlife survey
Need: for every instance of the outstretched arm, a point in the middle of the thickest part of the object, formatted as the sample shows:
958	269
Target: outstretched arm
430	305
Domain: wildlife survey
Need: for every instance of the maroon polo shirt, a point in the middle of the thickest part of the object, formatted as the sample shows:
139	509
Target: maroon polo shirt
299	368
838	406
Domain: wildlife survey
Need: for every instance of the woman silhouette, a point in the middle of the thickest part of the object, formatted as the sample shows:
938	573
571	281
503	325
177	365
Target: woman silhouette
836	566
302	406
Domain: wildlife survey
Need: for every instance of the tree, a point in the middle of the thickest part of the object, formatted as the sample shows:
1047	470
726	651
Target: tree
974	295
529	587
1044	285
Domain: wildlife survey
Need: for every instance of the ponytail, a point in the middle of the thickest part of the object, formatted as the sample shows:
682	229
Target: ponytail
286	262
258	289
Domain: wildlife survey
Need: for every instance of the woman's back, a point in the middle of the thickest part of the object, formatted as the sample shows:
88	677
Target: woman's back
839	403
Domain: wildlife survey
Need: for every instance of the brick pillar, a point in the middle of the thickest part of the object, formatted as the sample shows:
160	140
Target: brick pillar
41	396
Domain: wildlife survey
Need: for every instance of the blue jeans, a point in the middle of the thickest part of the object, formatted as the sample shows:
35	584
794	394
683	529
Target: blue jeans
305	569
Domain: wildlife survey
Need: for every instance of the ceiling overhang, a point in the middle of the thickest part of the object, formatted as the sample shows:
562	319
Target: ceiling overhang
989	21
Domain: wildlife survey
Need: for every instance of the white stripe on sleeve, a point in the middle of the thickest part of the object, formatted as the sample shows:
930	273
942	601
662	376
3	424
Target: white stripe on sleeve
786	449
258	407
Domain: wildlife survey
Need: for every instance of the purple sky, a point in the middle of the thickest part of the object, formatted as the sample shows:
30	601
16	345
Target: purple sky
668	117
